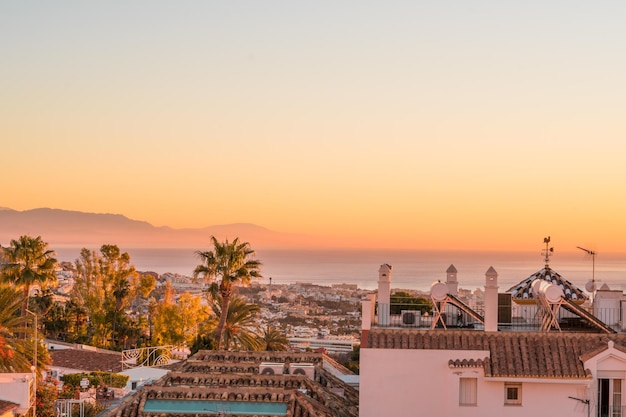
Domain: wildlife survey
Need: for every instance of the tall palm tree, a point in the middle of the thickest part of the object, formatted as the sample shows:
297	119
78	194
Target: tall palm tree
27	262
240	330
272	339
227	265
17	353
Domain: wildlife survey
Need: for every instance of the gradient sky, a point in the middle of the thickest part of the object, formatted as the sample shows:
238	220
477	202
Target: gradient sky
439	124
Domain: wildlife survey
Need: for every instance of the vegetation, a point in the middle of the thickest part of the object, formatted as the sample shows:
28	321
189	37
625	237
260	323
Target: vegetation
111	305
27	262
273	339
17	353
47	394
352	362
176	322
106	284
202	342
96	379
239	332
404	301
227	265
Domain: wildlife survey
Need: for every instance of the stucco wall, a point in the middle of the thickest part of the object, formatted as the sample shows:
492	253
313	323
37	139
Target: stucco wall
408	383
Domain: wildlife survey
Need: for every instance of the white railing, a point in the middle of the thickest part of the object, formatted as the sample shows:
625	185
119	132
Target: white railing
147	356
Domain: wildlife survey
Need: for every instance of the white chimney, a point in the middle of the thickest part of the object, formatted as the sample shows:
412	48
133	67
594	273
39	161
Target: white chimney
384	294
453	284
491	300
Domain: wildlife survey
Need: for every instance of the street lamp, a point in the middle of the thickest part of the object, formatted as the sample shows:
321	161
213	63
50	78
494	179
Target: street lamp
33	368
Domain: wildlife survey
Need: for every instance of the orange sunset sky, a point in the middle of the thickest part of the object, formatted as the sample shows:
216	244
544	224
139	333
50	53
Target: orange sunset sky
454	124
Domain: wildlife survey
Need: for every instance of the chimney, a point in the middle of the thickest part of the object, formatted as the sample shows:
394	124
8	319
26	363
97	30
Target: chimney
384	294
453	284
491	300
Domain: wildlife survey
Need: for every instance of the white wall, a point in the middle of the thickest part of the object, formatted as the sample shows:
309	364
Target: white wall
408	383
16	388
142	375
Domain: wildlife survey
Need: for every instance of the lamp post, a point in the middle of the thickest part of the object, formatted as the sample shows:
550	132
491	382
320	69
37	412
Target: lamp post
33	368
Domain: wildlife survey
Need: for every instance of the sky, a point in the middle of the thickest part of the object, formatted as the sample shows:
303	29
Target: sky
406	124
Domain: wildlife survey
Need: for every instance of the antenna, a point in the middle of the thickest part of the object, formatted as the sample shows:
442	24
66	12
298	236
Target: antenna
547	251
591	285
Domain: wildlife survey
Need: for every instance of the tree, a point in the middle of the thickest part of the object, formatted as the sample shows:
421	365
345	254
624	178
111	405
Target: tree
402	300
176	321
240	330
272	339
104	287
17	353
227	265
27	262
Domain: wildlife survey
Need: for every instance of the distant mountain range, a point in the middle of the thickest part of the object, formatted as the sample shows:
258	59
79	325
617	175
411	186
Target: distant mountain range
79	229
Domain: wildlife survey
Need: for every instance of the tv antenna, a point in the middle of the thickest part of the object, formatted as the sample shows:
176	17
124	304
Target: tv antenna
591	285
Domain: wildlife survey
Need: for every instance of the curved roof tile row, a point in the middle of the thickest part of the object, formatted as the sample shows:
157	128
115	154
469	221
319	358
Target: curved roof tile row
514	354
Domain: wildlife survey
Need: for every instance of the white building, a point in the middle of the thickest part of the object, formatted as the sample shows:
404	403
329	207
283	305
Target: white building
485	370
19	389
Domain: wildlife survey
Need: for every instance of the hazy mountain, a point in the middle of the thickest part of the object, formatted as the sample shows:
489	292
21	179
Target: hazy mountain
79	229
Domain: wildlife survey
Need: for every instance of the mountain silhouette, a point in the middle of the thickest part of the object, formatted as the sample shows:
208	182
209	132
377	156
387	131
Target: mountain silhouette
79	229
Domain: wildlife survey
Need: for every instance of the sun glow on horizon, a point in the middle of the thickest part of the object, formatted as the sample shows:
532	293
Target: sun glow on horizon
425	126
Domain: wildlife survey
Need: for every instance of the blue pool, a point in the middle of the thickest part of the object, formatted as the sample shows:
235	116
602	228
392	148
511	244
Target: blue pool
214	407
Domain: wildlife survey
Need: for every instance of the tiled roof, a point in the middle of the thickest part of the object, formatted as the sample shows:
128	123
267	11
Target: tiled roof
238	379
523	291
86	360
6	406
511	354
467	363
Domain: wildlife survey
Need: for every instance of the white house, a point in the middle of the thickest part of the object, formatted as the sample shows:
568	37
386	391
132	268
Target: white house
17	389
487	369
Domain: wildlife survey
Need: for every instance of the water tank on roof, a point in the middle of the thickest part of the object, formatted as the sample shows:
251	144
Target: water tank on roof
551	292
438	291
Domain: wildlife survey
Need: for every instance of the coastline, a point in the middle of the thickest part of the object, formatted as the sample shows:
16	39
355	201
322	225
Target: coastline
412	269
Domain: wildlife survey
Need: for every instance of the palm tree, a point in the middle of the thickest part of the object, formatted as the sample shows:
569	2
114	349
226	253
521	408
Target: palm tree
240	330
272	339
27	262
17	353
227	265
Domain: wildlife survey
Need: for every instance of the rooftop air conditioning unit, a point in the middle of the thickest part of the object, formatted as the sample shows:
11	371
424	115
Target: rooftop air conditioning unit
410	318
271	368
307	369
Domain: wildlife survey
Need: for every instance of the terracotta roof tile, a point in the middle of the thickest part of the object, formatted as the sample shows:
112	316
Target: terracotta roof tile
87	360
6	406
511	354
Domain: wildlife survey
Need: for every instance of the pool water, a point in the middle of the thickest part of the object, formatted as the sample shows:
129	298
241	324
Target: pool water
214	407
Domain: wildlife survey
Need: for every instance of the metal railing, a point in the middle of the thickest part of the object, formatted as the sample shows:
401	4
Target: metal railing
515	318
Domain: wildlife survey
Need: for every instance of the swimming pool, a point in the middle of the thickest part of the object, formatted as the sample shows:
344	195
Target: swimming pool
214	407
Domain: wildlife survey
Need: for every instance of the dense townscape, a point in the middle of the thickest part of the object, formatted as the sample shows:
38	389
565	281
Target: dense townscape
95	336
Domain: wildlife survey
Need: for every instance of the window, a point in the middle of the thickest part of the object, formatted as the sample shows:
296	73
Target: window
610	397
512	394
468	391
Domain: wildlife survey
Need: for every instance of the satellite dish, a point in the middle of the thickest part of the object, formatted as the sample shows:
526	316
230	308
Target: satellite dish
590	286
438	291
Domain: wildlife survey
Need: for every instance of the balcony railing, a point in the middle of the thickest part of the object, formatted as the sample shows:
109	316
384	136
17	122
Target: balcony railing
514	318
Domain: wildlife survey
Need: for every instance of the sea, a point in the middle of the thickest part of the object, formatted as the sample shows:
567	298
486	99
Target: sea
411	269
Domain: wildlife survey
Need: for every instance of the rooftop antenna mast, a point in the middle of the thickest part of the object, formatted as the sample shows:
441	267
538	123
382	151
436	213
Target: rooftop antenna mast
547	251
591	285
